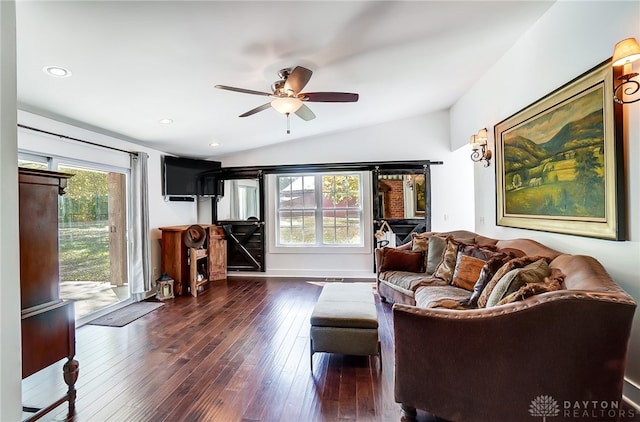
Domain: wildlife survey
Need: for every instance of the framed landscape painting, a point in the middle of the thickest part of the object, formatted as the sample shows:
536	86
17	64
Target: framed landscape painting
419	200
559	162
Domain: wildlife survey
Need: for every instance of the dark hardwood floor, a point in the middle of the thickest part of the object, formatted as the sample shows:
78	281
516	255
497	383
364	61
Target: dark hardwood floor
237	352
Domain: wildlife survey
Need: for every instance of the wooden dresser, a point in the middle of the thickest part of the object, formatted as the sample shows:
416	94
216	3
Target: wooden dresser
48	322
183	264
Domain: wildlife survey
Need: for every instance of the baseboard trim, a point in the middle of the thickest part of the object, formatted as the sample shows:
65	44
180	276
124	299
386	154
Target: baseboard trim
303	274
319	275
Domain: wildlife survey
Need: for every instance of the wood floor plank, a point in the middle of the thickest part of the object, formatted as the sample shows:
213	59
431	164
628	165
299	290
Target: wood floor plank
237	352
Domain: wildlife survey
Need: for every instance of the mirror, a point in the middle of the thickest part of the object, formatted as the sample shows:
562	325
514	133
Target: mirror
401	196
241	200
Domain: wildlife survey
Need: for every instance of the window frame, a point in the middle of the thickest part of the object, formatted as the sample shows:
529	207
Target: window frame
364	210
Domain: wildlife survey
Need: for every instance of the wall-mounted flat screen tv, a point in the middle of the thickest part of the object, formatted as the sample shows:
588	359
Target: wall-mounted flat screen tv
182	176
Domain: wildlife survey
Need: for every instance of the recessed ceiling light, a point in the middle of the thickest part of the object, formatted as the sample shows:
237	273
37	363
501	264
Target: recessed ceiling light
214	144
165	121
57	71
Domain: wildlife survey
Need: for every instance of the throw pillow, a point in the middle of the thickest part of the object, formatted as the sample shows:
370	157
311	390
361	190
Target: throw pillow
510	265
437	244
551	283
486	274
444	270
515	279
467	271
402	260
420	242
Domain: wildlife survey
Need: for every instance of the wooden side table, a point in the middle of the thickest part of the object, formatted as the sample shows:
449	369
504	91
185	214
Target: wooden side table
183	263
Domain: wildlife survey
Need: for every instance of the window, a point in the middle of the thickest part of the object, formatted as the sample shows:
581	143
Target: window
32	161
319	209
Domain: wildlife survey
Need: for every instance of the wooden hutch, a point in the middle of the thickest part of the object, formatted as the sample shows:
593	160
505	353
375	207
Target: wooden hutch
48	322
192	268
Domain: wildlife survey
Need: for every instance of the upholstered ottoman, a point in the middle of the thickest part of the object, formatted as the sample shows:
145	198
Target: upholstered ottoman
345	321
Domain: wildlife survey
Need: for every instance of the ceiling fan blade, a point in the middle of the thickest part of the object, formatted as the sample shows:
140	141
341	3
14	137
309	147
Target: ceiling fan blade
256	110
305	113
329	97
297	79
244	91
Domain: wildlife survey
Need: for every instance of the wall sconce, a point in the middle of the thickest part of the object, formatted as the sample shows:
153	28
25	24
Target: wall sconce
479	147
626	52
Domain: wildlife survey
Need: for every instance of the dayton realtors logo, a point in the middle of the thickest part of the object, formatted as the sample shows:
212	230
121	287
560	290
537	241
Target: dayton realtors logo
547	406
544	406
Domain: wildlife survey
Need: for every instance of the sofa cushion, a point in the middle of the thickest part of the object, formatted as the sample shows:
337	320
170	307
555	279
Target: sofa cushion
467	271
446	296
407	282
510	265
516	278
403	260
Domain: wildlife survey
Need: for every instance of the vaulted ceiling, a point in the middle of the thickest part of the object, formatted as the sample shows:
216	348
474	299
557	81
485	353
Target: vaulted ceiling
135	63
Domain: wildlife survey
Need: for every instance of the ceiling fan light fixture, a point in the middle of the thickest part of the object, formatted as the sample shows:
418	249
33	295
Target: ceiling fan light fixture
286	105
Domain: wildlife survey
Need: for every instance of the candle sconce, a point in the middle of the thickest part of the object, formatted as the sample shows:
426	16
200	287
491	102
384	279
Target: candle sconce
479	149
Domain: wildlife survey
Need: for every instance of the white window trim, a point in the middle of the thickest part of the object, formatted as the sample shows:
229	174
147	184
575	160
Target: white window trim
271	187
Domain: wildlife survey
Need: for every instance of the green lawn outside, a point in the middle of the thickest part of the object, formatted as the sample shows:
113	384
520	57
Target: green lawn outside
84	251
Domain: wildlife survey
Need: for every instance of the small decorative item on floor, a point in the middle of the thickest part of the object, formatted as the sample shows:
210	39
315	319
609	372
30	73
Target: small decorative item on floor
385	236
164	287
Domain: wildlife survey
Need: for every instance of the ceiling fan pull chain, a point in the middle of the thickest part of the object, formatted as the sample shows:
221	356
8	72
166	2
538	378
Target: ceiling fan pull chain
288	125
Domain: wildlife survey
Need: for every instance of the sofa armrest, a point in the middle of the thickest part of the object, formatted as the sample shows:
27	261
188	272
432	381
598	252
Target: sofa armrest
489	364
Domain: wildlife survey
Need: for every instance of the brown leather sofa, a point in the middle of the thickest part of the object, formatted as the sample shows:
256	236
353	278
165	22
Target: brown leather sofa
561	353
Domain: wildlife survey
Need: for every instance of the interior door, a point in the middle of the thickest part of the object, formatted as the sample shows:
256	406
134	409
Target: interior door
240	212
245	245
402	198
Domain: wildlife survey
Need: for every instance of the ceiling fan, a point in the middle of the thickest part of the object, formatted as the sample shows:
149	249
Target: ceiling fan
286	95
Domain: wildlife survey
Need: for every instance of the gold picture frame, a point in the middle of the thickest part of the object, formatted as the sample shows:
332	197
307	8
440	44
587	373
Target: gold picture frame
559	161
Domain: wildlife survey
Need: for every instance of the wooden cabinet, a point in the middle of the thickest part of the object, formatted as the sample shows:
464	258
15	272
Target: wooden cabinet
183	264
48	322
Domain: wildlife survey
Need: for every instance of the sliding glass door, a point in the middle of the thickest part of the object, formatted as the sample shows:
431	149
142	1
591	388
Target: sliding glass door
93	242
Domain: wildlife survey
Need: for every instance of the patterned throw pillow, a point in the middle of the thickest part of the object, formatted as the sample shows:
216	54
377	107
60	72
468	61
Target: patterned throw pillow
467	271
486	274
550	284
510	265
483	254
444	270
517	278
420	242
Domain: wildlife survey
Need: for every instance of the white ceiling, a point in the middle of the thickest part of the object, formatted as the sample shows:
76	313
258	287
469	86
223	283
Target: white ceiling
134	63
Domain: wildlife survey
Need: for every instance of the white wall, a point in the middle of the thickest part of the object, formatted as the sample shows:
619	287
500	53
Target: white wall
10	359
424	137
569	39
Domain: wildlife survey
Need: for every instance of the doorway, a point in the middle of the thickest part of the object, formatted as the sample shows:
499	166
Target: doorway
402	199
92	228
